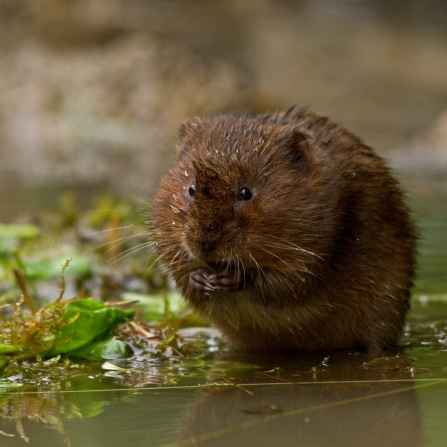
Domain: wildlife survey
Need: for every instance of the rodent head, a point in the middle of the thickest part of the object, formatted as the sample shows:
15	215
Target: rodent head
240	192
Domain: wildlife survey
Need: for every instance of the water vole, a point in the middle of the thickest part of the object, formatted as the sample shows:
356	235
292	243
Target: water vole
287	232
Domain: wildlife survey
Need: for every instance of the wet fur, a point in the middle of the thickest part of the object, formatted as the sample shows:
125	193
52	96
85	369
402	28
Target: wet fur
324	251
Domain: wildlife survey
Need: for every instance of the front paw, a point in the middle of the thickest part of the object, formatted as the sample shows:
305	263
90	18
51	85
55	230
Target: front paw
228	280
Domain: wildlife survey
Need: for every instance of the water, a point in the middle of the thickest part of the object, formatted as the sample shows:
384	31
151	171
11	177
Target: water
340	399
382	79
430	208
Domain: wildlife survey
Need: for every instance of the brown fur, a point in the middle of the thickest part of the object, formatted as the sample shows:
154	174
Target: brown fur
321	256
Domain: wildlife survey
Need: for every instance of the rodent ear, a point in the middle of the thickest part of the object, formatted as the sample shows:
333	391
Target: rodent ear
182	130
299	151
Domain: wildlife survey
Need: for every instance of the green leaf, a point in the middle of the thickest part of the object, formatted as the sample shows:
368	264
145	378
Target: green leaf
6	384
87	410
111	367
88	320
87	404
11	235
3	362
20	231
157	306
51	268
108	349
9	349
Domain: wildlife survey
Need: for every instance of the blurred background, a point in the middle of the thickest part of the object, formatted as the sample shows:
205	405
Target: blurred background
92	91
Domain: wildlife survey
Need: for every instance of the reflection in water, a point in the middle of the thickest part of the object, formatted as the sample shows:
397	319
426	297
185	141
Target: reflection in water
24	413
336	414
339	400
314	398
48	409
126	418
312	414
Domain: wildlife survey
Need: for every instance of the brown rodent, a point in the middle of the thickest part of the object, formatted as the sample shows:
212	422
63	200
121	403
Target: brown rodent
287	232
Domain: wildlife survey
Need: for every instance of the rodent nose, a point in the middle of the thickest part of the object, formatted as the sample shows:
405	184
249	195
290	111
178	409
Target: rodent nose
206	245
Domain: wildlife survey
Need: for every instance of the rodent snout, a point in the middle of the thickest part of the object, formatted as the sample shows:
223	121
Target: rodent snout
207	245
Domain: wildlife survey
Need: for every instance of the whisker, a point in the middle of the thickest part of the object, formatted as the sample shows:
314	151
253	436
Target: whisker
180	251
297	247
128	252
160	267
111	229
117	242
282	260
261	272
240	264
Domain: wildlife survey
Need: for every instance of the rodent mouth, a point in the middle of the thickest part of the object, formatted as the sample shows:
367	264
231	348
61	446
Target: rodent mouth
220	266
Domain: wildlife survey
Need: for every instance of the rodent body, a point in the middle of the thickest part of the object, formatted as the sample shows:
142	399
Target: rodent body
287	232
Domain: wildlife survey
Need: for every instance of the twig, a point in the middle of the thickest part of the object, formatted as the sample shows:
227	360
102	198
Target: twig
141	330
238	386
23	288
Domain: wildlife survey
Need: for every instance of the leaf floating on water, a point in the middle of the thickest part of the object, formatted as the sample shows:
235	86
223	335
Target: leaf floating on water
110	348
111	367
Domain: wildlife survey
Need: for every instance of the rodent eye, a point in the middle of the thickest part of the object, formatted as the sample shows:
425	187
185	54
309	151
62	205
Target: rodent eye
192	190
244	194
